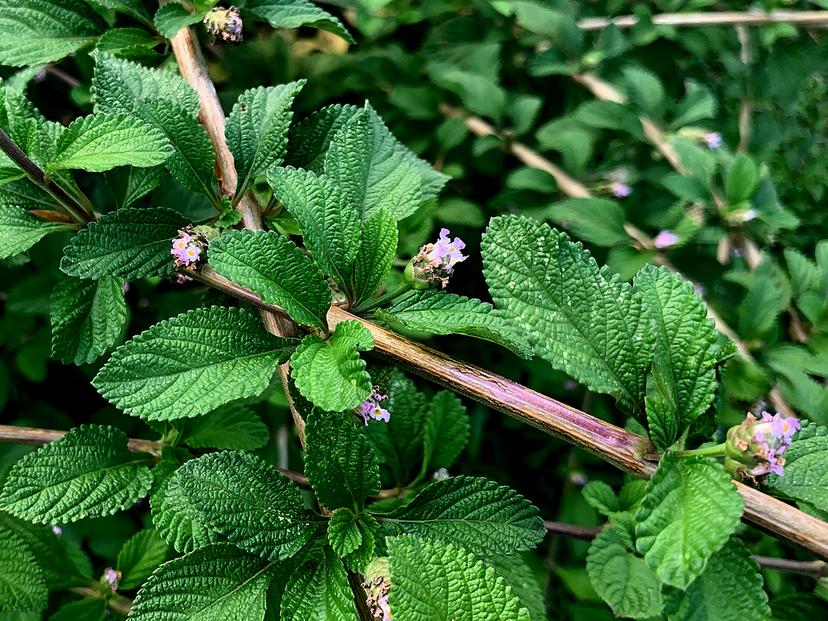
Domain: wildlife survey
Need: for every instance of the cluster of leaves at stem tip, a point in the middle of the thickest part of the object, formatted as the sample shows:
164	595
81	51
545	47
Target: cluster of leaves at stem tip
378	524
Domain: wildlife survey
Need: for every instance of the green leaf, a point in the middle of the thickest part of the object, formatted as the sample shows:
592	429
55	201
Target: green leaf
232	426
139	557
331	373
690	510
359	559
446	431
476	513
438	312
276	269
310	138
343	532
89	472
581	319
601	497
683	381
248	501
644	88
133	8
377	248
806	467
435	580
318	590
595	220
176	519
170	18
191	364
622	579
90	609
216	582
88	317
525	581
769	292
805	275
742	177
289	14
128	243
339	462
19	230
22	588
101	142
36	32
257	129
729	589
128	42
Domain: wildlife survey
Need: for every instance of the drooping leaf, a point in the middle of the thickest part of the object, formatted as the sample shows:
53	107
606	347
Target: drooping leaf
318	591
176	519
248	501
139	557
476	513
344	535
22	588
295	13
446	431
377	248
276	269
583	320
232	426
191	364
806	467
437	580
89	472
128	243
19	230
690	510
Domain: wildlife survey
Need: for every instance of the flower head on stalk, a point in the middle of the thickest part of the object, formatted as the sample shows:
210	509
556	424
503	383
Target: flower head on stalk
110	577
225	24
757	444
432	266
371	408
377	585
620	190
188	248
713	140
665	239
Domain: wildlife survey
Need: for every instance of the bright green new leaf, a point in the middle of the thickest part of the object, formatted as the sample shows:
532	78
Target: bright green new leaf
583	320
436	580
172	17
139	557
89	472
377	248
601	497
690	510
276	269
191	364
446	431
595	220
22	588
476	513
216	582
318	591
359	559
742	177
438	312
343	532
295	13
339	462
177	521
128	243
232	426
248	501
88	317
19	230
683	378
331	374
806	467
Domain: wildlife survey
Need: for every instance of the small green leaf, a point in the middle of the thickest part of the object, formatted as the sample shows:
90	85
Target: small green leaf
295	13
806	467
257	508
377	248
139	557
339	462
128	42
343	532
19	230
690	510
476	513
742	177
22	588
177	521
435	580
318	591
600	497
191	364
595	220
331	373
133	8
446	431
276	269
645	89
359	559
172	17
310	138
128	243
89	472
232	426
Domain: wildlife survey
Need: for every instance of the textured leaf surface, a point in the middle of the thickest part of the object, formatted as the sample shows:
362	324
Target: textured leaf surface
331	373
41	31
446	431
359	559
729	589
295	13
22	588
217	582
233	426
438	312
102	141
622	579
89	472
435	580
177	521
683	381
806	467
690	510
139	557
583	320
276	269
128	243
476	513
377	248
318	591
310	138
257	129
88	317
248	501
526	583
20	230
170	18
343	532
191	364
339	461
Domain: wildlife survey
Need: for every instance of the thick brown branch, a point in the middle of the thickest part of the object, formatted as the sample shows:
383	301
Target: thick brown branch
725	18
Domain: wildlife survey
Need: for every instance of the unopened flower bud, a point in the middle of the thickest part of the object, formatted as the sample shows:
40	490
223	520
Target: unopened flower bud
432	266
758	444
225	24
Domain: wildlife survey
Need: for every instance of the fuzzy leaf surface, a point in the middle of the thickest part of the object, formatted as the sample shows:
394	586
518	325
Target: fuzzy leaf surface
22	588
318	590
139	557
344	534
191	364
232	426
378	238
806	467
19	230
446	431
176	519
310	138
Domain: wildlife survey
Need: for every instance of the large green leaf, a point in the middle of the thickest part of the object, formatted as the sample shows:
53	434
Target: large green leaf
318	591
435	580
276	269
525	580
232	426
139	557
583	320
446	431
310	138
191	364
377	248
176	519
683	380
128	243
295	13
19	230
339	461
89	472
690	510
248	501
806	467
22	588
476	513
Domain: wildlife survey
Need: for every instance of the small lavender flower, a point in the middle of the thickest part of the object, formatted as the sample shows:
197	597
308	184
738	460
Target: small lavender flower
713	140
188	247
126	287
760	443
620	190
57	531
665	239
371	408
111	577
435	262
225	24
377	584
441	474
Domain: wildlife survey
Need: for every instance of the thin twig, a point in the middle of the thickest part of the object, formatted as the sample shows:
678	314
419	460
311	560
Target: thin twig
36	437
805	19
746	106
586	533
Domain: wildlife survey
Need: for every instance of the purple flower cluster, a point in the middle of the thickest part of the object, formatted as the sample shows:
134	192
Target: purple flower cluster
620	190
225	24
665	239
435	262
760	443
371	408
713	140
111	577
377	585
